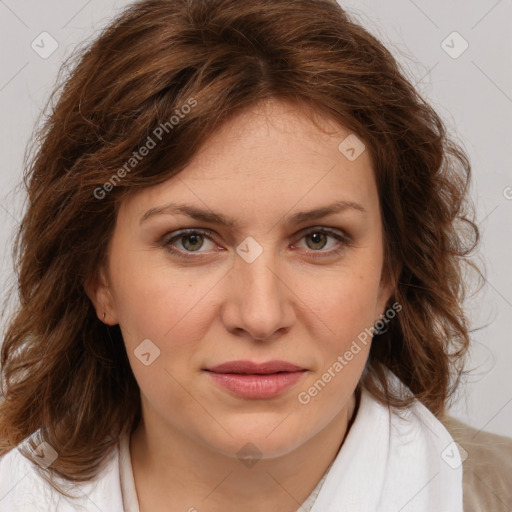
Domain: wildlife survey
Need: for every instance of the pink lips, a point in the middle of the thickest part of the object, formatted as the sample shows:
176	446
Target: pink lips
256	380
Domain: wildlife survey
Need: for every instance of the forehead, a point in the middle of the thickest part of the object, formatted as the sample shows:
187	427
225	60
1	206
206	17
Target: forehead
271	155
272	138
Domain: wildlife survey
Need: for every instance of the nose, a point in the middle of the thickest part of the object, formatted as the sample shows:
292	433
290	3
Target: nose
259	302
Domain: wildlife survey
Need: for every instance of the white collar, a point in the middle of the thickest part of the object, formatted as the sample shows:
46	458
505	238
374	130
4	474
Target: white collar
394	461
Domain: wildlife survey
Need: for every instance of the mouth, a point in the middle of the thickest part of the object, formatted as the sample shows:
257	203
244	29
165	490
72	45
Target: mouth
251	368
247	379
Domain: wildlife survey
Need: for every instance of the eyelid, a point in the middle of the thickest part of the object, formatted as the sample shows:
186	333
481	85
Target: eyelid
335	232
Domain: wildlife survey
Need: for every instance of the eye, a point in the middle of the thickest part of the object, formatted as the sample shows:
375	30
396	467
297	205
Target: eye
187	242
317	239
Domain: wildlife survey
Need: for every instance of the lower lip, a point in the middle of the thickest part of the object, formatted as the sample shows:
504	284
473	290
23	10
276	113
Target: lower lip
257	386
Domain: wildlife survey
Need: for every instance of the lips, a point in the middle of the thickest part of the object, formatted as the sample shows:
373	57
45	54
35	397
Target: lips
246	379
251	368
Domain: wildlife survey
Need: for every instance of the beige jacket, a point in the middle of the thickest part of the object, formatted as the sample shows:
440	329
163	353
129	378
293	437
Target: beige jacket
487	470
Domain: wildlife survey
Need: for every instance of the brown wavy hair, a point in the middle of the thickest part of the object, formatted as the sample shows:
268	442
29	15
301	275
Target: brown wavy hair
65	373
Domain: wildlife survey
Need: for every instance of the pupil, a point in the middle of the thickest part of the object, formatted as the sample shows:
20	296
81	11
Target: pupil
195	239
317	238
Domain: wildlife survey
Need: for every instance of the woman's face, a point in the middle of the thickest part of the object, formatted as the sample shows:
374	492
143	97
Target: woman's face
273	283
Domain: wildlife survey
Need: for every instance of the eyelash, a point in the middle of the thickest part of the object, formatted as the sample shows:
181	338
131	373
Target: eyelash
343	238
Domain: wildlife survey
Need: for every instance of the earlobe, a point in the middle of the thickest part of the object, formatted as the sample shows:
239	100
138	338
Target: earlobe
98	290
387	288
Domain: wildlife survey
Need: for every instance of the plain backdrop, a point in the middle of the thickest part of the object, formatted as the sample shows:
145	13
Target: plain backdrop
457	53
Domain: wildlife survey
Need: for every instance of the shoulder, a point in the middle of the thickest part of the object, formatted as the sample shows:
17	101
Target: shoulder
487	466
15	470
402	451
422	455
23	488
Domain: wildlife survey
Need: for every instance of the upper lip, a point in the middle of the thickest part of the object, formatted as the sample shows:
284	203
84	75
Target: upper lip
250	367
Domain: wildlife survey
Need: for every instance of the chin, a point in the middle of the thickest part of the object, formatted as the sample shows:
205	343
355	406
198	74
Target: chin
267	440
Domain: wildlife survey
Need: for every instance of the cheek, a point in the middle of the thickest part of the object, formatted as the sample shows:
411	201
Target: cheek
345	302
160	303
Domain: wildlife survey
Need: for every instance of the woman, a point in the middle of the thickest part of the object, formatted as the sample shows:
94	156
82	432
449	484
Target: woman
240	276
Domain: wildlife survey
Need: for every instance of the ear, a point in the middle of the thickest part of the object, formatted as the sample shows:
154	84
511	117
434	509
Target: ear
97	289
387	286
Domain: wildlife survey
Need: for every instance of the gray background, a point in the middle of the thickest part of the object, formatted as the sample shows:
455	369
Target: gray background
472	93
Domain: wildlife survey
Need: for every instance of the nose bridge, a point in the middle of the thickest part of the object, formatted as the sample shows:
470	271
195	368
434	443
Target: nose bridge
260	304
257	268
260	277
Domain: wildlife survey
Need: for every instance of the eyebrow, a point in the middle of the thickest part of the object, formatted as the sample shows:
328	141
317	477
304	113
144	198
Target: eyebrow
212	217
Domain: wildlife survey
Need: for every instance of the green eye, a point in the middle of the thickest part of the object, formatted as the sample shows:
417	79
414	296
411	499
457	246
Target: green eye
185	243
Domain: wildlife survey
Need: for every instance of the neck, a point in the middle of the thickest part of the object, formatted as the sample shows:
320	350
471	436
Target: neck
173	471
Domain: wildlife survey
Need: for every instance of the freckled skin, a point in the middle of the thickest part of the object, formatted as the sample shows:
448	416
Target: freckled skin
261	166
